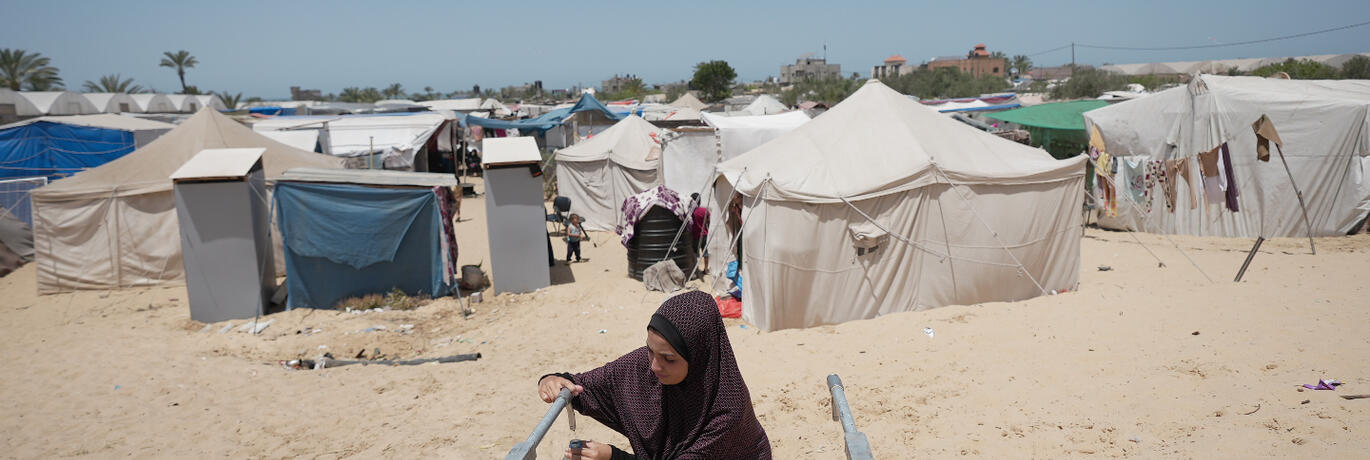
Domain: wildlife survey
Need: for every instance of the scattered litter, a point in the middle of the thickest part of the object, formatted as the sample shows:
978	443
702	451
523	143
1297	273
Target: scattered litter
1306	401
322	363
1105	268
374	328
601	331
206	328
1323	385
226	328
116	387
1194	333
259	327
1257	409
1135	438
928	331
1355	396
744	326
323	347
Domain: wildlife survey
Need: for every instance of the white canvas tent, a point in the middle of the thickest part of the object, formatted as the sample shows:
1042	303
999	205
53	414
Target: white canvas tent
60	102
115	226
690	154
212	101
457	105
598	173
765	105
153	103
184	103
112	102
956	216
689	101
1325	129
396	138
14	106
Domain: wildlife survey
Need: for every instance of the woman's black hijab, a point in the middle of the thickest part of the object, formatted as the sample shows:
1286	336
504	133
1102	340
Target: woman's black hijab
708	415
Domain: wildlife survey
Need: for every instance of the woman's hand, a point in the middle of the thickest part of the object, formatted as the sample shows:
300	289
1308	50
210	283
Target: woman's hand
591	451
550	386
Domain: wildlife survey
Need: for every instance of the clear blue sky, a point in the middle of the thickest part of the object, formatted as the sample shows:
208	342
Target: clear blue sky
261	48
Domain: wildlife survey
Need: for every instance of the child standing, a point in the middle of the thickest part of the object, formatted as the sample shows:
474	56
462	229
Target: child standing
574	233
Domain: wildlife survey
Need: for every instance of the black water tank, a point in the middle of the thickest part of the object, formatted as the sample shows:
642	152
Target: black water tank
652	242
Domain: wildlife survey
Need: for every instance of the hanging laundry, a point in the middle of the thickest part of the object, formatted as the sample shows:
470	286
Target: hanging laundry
1177	170
1208	168
1265	134
1135	170
1231	180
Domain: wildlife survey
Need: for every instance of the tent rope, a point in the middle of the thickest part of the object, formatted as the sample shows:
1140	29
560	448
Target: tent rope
1143	216
685	223
976	213
737	239
710	190
1134	237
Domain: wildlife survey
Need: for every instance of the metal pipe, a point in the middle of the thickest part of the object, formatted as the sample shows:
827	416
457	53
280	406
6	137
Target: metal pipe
858	447
1249	256
527	450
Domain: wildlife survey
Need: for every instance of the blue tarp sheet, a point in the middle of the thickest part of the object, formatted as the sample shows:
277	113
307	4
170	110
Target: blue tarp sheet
547	120
58	150
346	241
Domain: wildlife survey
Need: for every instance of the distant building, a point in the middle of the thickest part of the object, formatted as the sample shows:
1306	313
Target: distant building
977	63
616	84
520	91
809	67
1054	73
892	67
297	94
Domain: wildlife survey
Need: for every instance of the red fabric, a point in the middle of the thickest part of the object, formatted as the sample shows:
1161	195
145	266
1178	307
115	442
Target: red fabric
729	307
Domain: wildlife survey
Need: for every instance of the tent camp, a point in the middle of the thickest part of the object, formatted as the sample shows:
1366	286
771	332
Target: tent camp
184	103
689	101
60	102
1058	127
690	154
112	102
1323	134
115	226
59	146
598	173
882	205
153	103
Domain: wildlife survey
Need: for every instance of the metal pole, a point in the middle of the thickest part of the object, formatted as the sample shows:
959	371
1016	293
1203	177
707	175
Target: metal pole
858	447
527	450
1298	192
371	154
1252	255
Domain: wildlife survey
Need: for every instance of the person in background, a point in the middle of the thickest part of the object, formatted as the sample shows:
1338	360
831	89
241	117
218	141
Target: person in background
574	233
680	397
699	228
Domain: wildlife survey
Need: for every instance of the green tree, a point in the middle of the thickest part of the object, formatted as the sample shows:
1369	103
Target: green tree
231	100
1357	68
180	60
1303	69
946	82
21	70
355	94
394	91
112	83
714	80
1022	64
1088	83
633	88
829	91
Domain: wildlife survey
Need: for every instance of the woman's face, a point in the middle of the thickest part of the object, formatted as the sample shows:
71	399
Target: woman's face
670	368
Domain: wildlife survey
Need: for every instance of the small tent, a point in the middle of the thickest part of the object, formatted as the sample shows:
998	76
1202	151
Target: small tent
154	103
598	173
765	105
60	102
115	226
14	106
212	101
59	146
882	205
389	141
689	101
1323	134
112	102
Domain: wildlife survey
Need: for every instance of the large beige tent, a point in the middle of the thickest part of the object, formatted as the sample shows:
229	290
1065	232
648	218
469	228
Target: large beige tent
598	173
1325	129
956	216
115	226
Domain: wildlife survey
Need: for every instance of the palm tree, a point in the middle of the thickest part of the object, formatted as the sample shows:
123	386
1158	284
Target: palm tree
231	100
180	60
394	91
112	84
1022	63
19	68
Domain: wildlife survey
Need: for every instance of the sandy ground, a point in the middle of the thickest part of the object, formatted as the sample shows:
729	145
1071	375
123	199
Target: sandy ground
1141	362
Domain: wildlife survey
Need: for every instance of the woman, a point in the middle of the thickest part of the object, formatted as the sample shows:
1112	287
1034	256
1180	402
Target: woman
679	397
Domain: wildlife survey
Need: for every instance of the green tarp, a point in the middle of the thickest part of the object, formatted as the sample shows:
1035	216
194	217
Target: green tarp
1058	127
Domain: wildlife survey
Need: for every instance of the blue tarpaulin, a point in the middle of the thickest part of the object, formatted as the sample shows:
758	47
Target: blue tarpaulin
58	150
346	241
547	120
